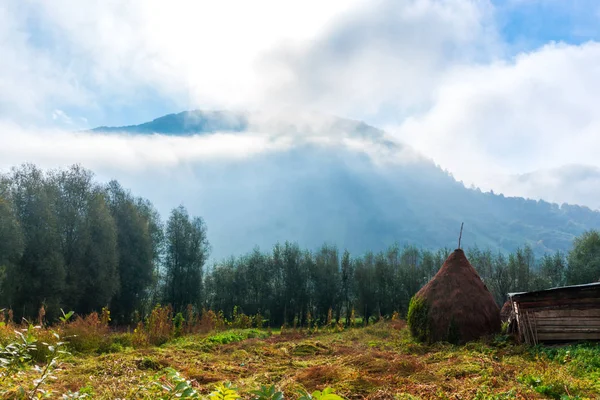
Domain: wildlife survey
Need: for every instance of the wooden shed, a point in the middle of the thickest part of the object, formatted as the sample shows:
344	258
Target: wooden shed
561	314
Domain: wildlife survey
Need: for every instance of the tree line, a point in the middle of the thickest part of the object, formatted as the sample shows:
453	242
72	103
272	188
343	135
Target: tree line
69	242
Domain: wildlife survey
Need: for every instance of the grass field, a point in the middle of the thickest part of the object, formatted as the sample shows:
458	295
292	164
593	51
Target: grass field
378	362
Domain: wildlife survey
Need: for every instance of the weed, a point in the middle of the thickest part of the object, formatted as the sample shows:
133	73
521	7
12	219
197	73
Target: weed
173	386
224	391
267	393
66	317
178	324
16	355
326	394
159	325
87	334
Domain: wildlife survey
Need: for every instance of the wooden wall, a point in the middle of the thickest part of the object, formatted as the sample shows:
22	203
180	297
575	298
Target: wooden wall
563	314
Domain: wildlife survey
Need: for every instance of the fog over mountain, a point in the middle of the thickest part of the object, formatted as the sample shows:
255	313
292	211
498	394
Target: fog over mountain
325	179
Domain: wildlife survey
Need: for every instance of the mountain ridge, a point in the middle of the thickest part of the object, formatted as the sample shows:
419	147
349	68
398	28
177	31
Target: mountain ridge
313	194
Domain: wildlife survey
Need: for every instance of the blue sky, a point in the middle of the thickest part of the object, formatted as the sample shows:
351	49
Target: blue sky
528	24
510	85
521	26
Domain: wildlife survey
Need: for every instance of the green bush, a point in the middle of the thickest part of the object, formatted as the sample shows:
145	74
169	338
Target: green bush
418	319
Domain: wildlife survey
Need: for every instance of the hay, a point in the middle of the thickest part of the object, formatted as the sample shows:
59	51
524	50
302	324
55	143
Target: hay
455	306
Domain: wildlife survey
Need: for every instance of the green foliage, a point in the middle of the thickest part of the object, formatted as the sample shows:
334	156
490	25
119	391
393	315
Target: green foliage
187	249
159	325
65	318
224	391
178	322
553	390
418	319
233	336
582	359
67	241
326	394
175	386
267	393
87	334
584	259
17	355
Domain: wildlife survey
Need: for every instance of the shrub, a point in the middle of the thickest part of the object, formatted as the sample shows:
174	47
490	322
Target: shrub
267	393
241	320
258	321
178	324
191	320
159	325
140	337
418	319
123	339
212	321
87	334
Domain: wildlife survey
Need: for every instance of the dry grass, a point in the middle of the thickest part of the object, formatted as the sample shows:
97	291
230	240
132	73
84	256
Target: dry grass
380	362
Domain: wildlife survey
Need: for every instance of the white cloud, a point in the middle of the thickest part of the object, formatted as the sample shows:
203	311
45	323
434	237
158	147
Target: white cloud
387	57
197	53
31	80
573	183
537	111
433	71
114	152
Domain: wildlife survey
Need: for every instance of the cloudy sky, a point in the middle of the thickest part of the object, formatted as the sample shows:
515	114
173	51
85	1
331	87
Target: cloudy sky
502	93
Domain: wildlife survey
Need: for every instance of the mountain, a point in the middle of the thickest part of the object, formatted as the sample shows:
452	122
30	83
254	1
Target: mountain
187	123
342	182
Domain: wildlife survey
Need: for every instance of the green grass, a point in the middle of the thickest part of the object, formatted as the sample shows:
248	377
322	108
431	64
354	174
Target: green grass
377	362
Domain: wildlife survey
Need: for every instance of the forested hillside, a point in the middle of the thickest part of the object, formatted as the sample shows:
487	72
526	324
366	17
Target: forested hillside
322	189
68	241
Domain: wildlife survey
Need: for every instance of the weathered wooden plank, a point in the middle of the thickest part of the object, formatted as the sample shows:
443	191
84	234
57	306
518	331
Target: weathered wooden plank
583	303
568	323
569	329
568	313
569	336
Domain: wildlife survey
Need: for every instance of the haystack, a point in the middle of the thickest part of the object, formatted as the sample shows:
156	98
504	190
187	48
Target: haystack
455	305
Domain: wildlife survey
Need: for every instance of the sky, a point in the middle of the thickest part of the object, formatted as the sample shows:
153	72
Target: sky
503	94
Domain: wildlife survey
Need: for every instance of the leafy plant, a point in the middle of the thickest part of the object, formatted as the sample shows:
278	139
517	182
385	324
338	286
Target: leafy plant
46	371
267	393
224	391
175	386
178	324
418	319
65	317
17	354
326	394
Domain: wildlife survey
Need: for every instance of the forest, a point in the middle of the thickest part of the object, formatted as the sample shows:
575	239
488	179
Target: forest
69	242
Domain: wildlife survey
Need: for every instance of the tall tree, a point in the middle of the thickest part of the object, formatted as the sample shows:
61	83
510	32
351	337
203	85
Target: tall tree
11	248
584	259
40	276
187	250
553	268
100	262
136	254
347	274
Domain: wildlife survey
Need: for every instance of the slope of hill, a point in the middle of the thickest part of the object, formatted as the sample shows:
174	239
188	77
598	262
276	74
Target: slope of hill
314	193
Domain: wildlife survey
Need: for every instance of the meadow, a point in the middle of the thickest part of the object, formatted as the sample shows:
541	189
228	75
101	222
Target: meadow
169	357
